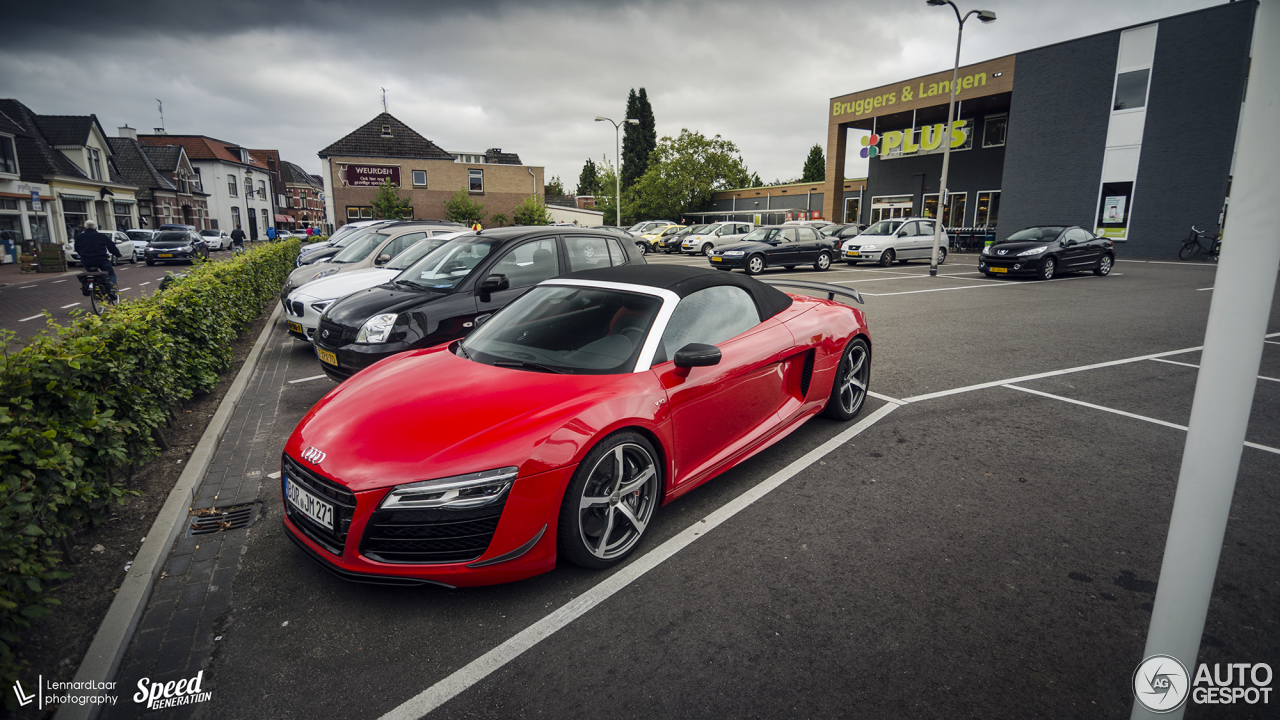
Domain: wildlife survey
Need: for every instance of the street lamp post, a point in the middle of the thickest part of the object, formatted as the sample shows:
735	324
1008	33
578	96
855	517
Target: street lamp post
617	169
985	16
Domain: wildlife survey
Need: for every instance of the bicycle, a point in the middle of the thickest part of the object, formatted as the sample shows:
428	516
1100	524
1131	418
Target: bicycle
1193	245
96	285
238	249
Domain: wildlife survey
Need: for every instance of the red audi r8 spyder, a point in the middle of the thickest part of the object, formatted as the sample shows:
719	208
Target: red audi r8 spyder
563	422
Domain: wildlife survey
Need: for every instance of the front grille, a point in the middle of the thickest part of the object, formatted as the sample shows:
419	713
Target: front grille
806	374
338	335
430	535
298	309
344	506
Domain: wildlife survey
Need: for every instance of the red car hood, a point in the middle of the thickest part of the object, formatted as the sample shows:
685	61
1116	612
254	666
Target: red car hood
431	414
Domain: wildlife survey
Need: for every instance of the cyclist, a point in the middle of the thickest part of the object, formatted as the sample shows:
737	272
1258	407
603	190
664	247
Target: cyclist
95	250
237	239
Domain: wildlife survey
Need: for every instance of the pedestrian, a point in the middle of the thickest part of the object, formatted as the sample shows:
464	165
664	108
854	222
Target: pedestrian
237	238
271	233
95	251
310	231
476	226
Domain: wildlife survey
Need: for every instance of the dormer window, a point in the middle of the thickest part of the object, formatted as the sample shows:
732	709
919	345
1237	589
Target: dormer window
95	169
386	131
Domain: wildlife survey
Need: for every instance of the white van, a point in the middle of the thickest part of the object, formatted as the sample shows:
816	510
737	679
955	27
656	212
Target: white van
901	239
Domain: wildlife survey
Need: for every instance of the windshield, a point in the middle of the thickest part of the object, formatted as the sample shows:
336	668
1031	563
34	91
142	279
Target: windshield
551	328
760	234
1036	234
701	229
444	267
210	233
884	227
172	236
139	235
416	251
360	249
356	234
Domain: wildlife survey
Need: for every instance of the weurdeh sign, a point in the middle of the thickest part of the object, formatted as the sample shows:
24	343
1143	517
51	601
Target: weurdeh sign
368	175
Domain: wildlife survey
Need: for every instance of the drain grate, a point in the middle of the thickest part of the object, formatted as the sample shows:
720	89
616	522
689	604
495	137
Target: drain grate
212	520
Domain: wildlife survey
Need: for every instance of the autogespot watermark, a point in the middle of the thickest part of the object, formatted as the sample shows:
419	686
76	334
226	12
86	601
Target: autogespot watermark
1162	684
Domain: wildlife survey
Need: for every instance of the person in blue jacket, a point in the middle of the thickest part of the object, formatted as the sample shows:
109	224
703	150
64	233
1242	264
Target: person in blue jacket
271	233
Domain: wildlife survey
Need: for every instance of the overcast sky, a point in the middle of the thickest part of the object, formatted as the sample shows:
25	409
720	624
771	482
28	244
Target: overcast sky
527	76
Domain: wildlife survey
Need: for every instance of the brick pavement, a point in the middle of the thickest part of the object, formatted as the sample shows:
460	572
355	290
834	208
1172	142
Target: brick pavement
176	637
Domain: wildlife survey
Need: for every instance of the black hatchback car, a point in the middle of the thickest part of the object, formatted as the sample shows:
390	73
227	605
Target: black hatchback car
175	246
441	297
773	246
1046	250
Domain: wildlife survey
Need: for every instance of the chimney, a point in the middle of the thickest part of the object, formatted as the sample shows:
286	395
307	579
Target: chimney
127	132
160	131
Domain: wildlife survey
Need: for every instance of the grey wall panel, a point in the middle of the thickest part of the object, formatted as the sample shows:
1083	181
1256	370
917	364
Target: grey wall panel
1057	133
1193	107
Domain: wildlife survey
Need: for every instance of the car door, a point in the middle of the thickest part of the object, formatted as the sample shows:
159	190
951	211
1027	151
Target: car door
809	242
783	249
718	410
525	265
1077	251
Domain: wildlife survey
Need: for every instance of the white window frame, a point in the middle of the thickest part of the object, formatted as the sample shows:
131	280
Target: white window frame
474	173
414	175
977	200
986	121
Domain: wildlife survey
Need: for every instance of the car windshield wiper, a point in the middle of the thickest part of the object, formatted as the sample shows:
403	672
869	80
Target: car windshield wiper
409	283
526	365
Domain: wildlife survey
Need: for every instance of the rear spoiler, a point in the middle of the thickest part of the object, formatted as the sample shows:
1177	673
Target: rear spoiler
831	290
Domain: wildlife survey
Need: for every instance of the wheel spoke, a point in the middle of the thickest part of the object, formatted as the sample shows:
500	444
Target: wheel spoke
619	468
636	522
602	546
592	502
857	367
638	482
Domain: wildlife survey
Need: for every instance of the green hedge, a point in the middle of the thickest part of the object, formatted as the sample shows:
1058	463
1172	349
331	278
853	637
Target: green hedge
80	405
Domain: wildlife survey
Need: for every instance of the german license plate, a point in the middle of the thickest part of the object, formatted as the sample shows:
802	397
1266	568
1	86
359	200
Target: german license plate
715	259
851	253
165	255
326	356
996	269
308	504
296	327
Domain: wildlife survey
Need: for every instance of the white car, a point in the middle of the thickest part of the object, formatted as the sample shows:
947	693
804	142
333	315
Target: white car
216	239
129	251
901	239
304	305
715	235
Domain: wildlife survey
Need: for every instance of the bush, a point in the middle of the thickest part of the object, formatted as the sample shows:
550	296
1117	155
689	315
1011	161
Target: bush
531	212
81	404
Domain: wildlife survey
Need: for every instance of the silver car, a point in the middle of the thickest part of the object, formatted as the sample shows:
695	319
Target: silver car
714	236
129	252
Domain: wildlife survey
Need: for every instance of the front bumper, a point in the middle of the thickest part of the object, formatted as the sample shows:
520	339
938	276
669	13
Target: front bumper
173	255
511	542
730	262
860	255
302	319
1009	266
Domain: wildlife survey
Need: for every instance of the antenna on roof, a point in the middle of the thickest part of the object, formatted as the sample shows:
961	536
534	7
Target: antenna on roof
161	112
384	99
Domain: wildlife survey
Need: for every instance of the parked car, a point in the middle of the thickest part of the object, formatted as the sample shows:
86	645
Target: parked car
843	231
216	239
342	238
645	226
304	305
372	249
816	224
901	239
129	251
1046	250
176	246
649	241
560	426
713	236
173	226
671	243
776	245
440	297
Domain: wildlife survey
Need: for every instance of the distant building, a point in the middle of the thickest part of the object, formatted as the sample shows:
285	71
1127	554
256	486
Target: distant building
304	198
169	189
385	148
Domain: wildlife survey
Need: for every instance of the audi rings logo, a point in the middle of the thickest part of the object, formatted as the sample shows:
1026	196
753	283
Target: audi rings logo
313	456
1160	683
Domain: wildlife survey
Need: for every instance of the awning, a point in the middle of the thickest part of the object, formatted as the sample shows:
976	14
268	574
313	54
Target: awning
69	196
284	219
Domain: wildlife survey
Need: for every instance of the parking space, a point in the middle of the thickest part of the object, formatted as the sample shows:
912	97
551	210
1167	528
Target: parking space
984	540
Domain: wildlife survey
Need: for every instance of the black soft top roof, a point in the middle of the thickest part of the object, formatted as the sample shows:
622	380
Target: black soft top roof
684	281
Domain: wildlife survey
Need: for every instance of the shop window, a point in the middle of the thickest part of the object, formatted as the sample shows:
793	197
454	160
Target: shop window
420	178
987	214
1131	89
993	130
852	209
8	157
955	210
231	186
7	204
476	178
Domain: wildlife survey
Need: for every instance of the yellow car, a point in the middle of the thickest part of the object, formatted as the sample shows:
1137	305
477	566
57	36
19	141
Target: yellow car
649	241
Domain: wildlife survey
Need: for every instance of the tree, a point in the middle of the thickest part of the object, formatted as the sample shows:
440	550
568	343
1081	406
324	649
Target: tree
755	180
555	187
685	171
388	205
462	209
815	166
588	179
531	212
500	219
606	201
638	141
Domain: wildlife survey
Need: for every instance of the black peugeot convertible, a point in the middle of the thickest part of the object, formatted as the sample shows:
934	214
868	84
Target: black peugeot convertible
773	246
1046	250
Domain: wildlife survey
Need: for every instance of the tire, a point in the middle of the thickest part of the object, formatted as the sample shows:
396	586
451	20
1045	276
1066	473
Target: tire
133	258
755	265
1189	250
850	263
708	249
853	377
149	262
1104	265
644	249
886	258
1047	267
789	267
596	510
823	262
942	254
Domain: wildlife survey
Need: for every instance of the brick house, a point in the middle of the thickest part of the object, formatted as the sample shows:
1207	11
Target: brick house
168	187
428	175
304	197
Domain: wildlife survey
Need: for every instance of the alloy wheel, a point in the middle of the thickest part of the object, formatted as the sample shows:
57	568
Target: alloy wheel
852	379
755	265
616	501
1047	267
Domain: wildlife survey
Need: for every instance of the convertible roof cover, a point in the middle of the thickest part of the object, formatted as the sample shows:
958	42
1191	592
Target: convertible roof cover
684	281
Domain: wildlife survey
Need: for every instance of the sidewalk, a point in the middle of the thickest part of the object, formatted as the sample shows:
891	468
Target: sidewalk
11	274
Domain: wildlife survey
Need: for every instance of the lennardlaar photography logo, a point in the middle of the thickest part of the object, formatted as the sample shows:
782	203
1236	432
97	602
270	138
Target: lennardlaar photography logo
1160	683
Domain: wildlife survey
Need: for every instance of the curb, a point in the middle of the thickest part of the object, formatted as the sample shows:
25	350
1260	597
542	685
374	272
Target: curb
112	639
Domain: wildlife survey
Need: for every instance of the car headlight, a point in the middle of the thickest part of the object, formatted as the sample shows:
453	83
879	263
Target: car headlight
733	253
376	329
460	491
320	305
870	247
987	250
324	273
1033	251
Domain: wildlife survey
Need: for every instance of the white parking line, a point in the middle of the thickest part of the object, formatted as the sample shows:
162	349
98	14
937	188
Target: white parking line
306	379
886	398
480	668
123	289
64	307
24	287
33	317
145	283
1144	418
1171	362
55	282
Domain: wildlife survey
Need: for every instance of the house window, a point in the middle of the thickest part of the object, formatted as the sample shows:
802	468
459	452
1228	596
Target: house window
476	178
1131	89
993	130
265	221
235	217
420	178
8	157
359	213
95	169
262	189
386	131
231	186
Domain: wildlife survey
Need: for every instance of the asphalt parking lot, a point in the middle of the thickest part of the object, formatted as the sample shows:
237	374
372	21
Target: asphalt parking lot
983	540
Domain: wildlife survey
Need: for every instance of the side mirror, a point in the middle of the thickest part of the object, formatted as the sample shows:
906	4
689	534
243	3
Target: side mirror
382	260
492	284
697	355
